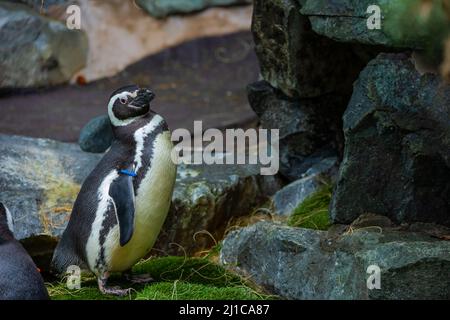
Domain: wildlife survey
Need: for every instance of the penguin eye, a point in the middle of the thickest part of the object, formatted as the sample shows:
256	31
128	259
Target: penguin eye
123	100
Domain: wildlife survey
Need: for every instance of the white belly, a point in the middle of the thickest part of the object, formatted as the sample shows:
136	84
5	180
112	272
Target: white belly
153	198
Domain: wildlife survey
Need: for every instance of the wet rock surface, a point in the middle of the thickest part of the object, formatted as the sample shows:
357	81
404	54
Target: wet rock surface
36	51
397	149
308	264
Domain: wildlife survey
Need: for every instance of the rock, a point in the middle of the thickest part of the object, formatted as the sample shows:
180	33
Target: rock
36	51
164	8
346	21
308	264
97	135
206	200
397	151
40	180
310	129
297	60
292	195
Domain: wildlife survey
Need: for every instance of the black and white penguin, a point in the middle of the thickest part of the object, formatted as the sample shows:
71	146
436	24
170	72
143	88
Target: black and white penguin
123	203
19	276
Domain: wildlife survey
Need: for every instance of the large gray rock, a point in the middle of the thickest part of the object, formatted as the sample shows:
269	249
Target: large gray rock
307	264
297	60
36	51
292	195
164	8
397	151
206	199
40	179
97	135
310	129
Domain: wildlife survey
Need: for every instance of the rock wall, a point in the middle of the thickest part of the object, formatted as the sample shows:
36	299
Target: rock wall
395	120
391	201
309	80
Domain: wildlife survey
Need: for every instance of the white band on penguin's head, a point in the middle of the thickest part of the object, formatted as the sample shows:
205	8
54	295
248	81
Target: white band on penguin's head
9	219
114	120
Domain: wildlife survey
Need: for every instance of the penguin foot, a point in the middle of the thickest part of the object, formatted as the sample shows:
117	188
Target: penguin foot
116	291
139	278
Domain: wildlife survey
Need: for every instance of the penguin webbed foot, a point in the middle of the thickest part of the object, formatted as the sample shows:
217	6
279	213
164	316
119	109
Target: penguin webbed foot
138	278
116	291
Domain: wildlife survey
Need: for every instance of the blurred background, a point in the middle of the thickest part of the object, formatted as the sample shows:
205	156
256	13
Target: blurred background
197	56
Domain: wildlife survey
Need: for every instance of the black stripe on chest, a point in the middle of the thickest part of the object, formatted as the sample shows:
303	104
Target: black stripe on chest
148	153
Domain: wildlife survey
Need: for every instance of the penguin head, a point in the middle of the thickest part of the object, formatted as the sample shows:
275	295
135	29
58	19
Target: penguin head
128	103
6	223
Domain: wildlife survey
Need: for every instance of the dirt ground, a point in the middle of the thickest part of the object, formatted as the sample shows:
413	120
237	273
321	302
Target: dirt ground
203	79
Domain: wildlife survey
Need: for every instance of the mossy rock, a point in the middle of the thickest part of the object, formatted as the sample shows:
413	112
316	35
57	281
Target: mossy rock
175	278
313	213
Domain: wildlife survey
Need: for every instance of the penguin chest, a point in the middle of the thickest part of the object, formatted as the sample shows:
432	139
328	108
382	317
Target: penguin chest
152	203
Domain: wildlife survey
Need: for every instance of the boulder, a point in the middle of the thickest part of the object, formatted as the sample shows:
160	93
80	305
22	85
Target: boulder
97	135
397	150
40	179
164	8
36	51
310	129
292	195
295	59
299	263
207	200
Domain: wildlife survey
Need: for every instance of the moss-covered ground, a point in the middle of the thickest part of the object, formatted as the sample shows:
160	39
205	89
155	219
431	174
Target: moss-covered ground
313	212
175	278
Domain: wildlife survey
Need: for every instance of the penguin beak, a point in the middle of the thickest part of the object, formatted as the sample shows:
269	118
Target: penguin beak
143	98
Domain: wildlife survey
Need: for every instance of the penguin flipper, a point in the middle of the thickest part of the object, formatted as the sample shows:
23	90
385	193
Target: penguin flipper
122	193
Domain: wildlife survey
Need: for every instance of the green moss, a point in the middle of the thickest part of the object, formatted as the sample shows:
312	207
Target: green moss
313	212
175	278
193	270
191	291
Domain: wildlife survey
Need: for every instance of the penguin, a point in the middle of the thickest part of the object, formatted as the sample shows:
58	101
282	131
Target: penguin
19	276
123	203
